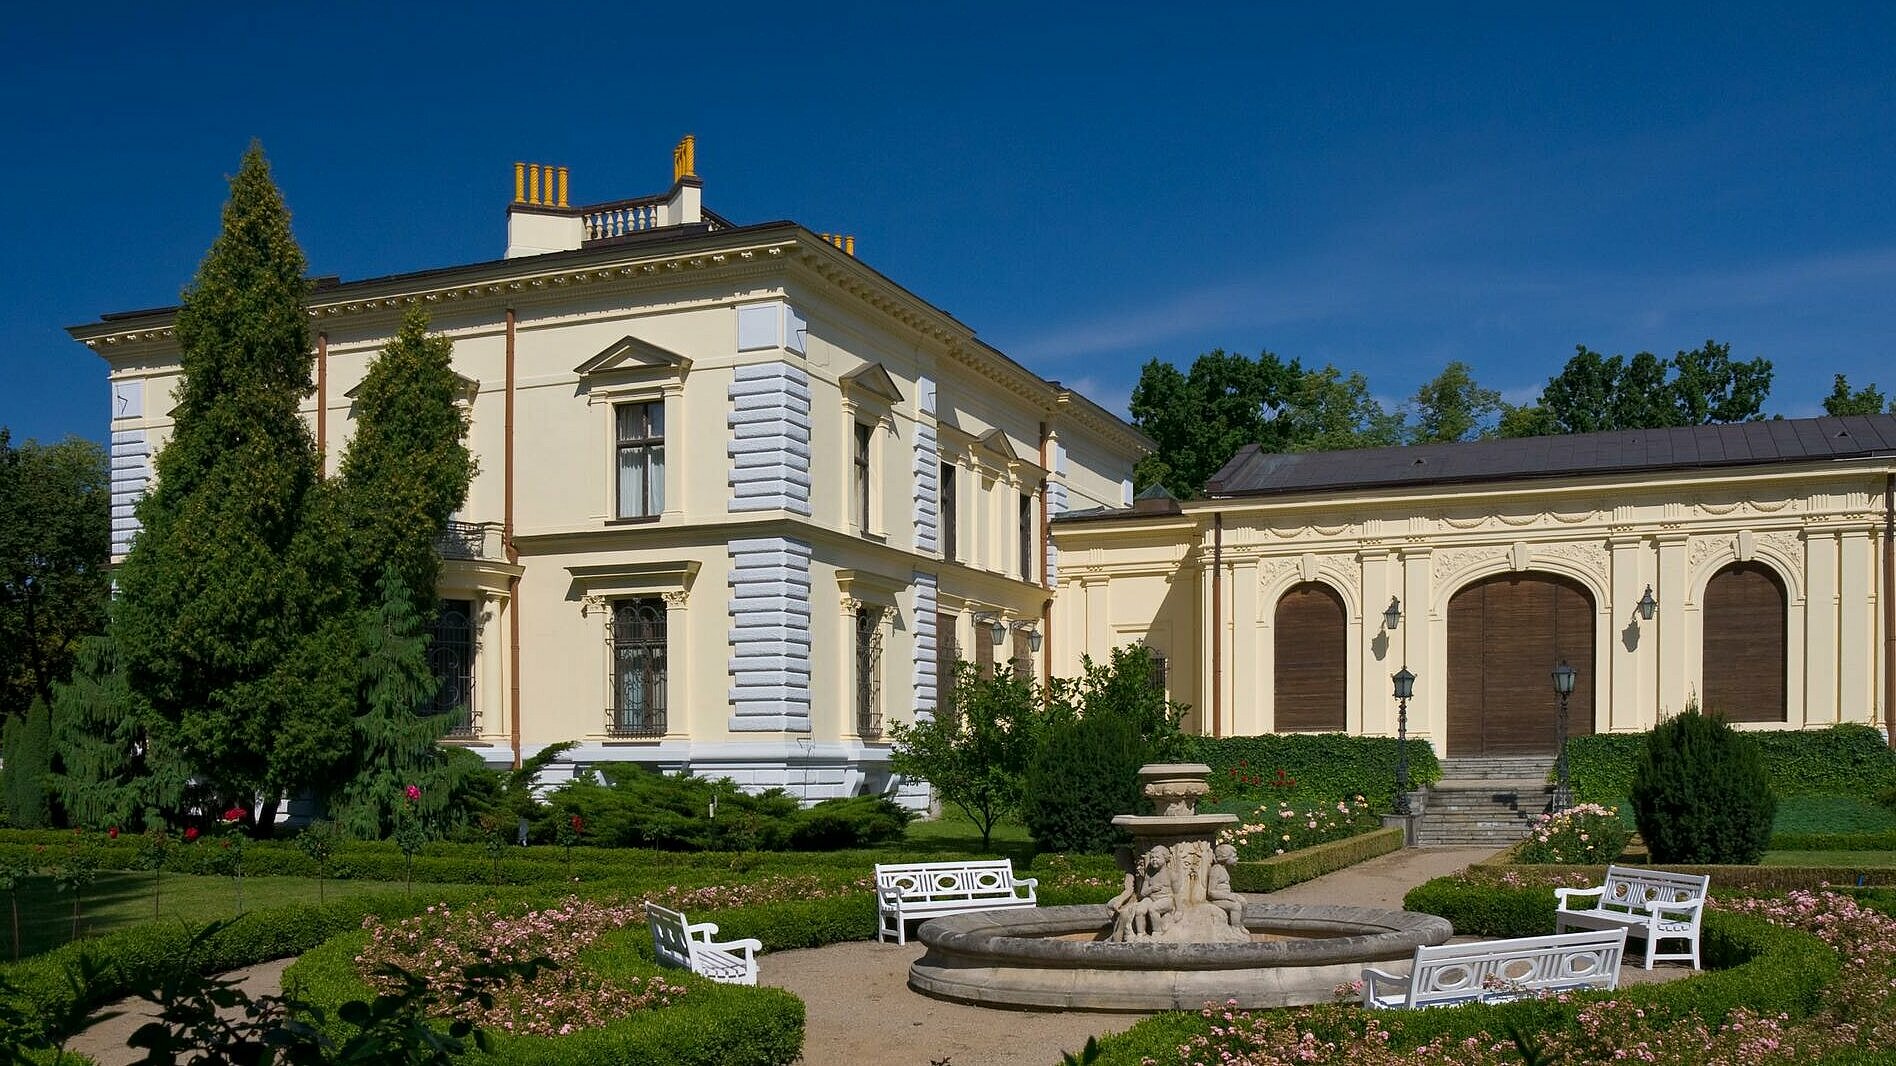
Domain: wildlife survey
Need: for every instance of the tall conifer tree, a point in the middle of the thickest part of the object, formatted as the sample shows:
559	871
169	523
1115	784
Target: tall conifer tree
407	467
216	596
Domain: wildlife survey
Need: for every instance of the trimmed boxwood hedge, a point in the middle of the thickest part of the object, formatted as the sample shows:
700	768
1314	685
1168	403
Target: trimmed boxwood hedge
1282	871
1734	878
1842	760
1756	965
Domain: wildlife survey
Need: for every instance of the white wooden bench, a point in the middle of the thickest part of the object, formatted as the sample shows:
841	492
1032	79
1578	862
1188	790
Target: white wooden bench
915	890
1492	971
687	946
1651	905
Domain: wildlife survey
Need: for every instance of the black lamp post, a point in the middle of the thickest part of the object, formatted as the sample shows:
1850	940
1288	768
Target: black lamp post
1405	687
1563	687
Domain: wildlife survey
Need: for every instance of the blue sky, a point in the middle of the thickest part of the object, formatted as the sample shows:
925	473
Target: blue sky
1383	187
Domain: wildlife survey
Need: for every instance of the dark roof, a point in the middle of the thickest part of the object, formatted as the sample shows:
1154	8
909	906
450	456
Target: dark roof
1254	472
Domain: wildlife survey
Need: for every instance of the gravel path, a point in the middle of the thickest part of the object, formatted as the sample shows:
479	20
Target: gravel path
860	1008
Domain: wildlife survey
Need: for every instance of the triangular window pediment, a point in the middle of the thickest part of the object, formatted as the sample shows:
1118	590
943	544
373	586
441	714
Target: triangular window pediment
632	354
465	389
996	442
873	380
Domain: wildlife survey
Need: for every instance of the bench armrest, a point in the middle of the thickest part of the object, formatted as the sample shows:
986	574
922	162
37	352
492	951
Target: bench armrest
702	931
1689	906
1562	895
1373	977
750	945
1029	882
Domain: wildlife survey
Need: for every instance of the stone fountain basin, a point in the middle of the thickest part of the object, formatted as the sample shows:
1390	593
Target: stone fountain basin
1046	959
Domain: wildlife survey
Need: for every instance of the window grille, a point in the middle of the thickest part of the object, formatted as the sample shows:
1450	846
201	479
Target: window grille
864	434
869	672
451	664
638	668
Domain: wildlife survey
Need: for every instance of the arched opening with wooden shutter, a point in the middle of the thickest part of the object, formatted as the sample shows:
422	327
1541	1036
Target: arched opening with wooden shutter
1505	636
1745	617
1311	638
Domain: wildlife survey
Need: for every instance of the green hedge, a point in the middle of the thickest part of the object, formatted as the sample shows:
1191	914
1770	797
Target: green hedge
1871	840
1770	879
1325	766
1282	871
711	1025
1842	760
1755	964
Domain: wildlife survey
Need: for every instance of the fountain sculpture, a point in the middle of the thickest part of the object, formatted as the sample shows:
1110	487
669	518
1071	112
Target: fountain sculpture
1176	937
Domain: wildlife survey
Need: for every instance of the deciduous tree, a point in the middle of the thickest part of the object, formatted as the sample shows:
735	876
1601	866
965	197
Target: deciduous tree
1594	392
54	533
1867	400
977	757
1451	407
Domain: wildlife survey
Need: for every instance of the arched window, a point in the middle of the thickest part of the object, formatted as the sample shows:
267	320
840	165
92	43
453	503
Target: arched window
1743	672
1311	637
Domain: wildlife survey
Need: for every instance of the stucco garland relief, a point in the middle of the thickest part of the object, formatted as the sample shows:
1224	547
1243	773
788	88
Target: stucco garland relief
1275	576
1587	555
1781	550
1452	561
1700	547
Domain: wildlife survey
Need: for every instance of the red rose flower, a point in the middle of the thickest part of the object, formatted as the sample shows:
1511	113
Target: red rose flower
235	814
578	824
112	832
414	792
190	833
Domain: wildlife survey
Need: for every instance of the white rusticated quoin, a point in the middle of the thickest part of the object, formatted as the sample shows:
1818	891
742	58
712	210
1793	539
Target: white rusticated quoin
1494	971
688	946
927	698
770	438
770	635
927	489
1651	905
917	890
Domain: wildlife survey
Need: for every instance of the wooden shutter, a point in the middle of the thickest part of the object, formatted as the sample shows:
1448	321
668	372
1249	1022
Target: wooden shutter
1311	636
1745	621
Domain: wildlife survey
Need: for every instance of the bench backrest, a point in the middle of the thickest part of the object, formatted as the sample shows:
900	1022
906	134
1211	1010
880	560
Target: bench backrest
1630	886
1455	972
669	938
947	880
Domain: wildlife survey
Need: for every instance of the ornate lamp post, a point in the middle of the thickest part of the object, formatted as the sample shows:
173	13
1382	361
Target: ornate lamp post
1405	687
1563	687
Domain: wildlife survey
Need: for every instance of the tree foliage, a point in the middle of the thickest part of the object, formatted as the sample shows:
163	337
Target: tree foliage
977	757
1595	393
26	744
119	765
407	467
1701	793
1867	400
218	594
1102	726
1199	418
55	528
1451	407
393	745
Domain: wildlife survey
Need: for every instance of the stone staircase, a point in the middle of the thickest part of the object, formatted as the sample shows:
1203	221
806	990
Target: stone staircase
1483	801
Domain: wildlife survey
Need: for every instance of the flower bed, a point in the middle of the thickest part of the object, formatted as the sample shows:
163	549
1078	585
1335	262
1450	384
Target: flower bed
1278	827
1585	835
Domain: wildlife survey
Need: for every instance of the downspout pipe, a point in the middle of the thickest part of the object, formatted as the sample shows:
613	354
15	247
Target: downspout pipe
1889	606
1217	623
512	553
322	403
1046	535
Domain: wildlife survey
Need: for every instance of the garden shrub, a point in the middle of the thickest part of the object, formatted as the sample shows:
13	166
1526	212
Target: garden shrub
1086	772
1851	759
26	753
1277	828
1306	769
1295	867
1586	835
637	807
1701	794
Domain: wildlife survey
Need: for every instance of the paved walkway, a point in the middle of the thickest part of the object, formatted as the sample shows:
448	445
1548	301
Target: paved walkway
860	1008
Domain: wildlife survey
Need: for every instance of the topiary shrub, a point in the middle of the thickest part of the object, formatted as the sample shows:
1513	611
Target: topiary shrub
1087	772
1701	793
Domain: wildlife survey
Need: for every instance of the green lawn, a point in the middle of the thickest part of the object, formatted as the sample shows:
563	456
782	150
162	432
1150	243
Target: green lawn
117	900
1846	859
1831	814
955	833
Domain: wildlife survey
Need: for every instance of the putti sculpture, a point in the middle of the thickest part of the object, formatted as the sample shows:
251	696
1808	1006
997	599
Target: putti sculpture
1177	877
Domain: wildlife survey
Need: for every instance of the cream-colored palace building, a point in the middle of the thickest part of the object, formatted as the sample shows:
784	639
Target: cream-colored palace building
1745	565
741	500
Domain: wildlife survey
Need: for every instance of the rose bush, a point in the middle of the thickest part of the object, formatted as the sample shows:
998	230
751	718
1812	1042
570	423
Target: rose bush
1278	827
1585	835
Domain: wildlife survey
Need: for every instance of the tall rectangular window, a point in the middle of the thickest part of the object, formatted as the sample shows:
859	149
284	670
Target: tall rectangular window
864	434
640	437
638	668
949	508
1026	536
869	672
946	652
